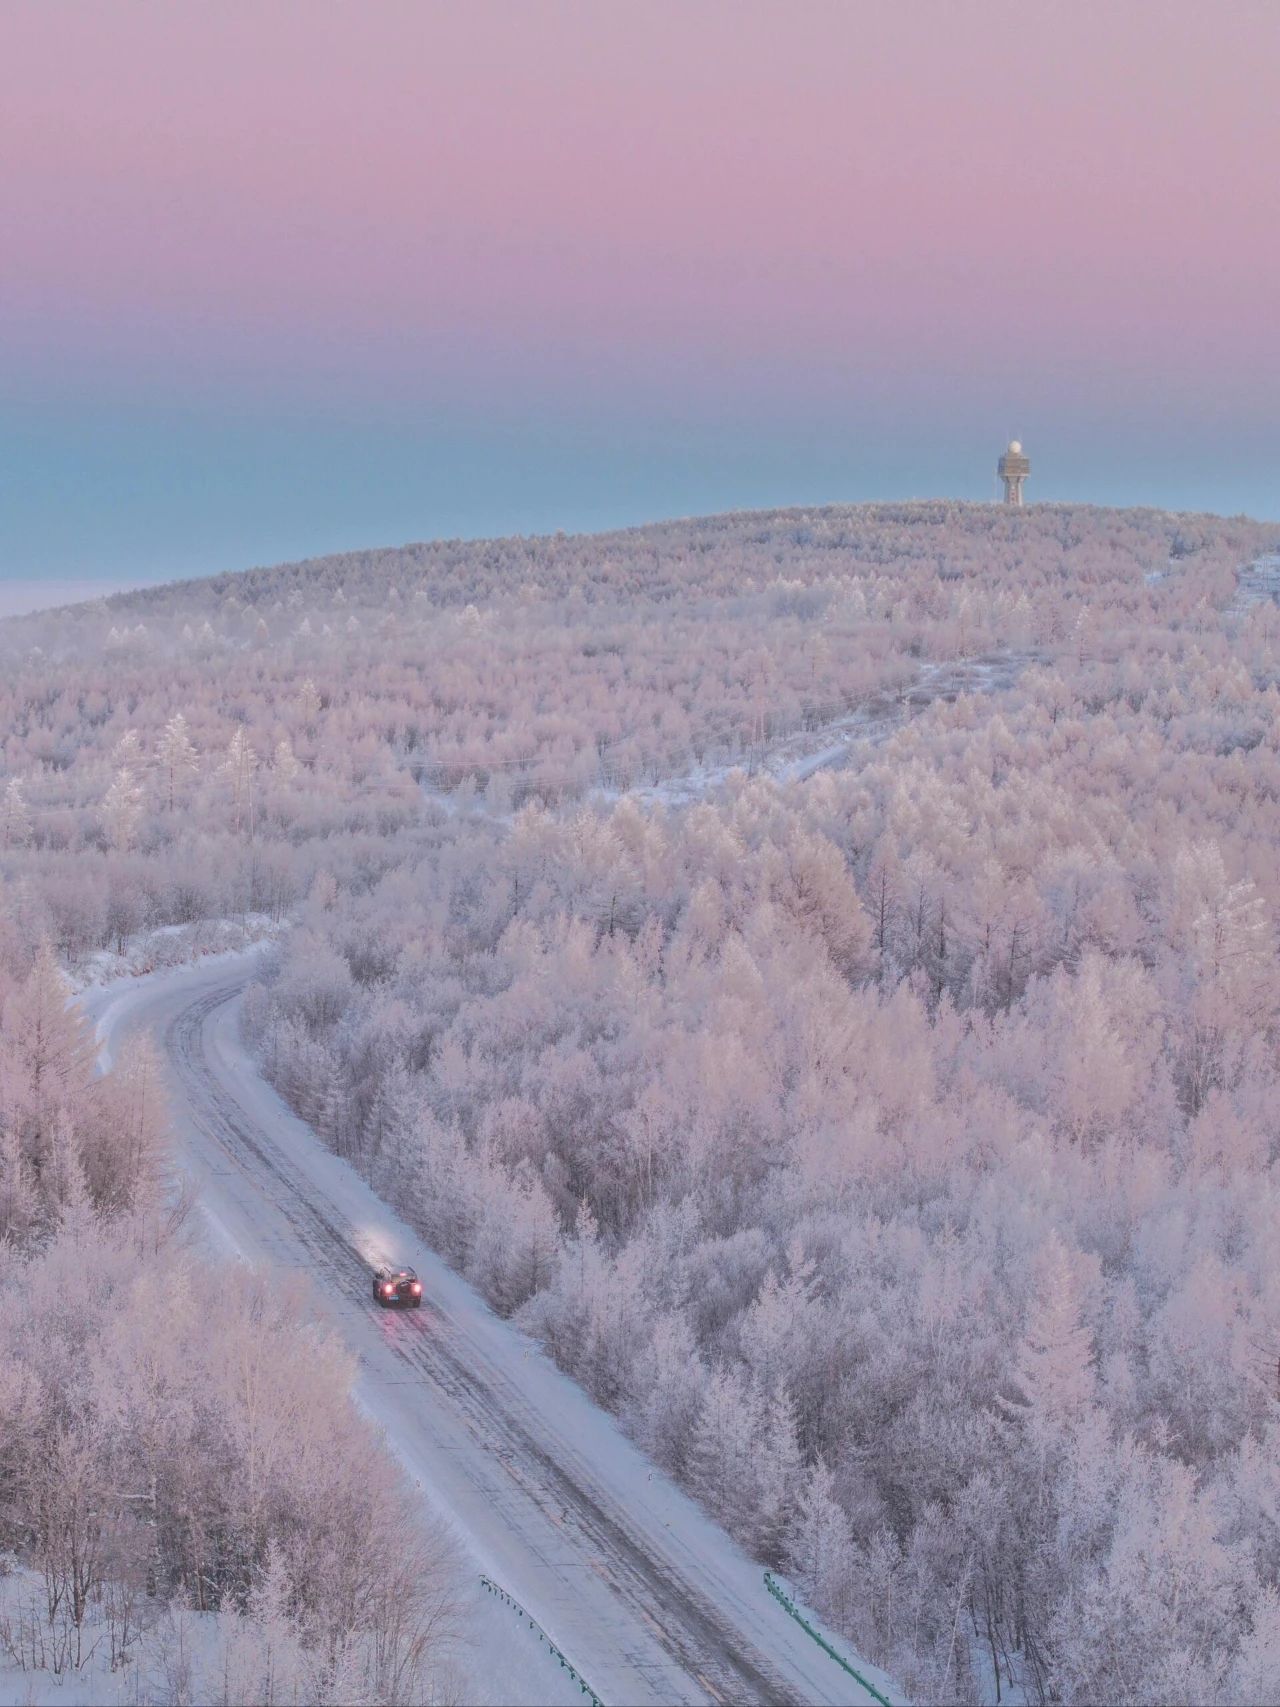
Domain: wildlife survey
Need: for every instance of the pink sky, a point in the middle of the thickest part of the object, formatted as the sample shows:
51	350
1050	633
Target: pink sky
689	210
476	184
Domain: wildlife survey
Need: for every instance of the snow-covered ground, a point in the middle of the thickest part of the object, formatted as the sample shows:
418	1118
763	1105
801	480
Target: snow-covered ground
170	946
178	1657
647	1597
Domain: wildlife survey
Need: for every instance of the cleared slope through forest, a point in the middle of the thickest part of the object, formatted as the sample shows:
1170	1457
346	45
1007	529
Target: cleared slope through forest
793	757
829	739
650	1600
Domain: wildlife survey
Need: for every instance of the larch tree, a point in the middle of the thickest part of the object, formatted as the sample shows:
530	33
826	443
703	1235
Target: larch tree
15	816
1054	1369
176	759
818	1547
46	1058
239	767
122	809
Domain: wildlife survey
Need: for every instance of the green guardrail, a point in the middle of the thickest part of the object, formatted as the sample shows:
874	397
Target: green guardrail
784	1600
511	1601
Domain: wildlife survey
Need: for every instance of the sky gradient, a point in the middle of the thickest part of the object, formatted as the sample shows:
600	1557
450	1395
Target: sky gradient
280	279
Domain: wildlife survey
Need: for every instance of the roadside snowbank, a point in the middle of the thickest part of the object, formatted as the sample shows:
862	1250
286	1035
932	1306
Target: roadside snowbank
170	946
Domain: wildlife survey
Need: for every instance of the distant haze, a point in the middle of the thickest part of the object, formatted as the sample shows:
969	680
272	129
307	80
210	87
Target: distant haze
18	596
285	279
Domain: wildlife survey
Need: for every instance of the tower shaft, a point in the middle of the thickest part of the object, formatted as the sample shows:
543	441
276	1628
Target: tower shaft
1013	468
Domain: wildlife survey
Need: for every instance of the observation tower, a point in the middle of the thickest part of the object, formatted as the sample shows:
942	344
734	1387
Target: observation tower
1013	468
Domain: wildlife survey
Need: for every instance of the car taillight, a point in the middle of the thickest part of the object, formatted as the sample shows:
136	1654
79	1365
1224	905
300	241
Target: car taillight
416	1287
387	1291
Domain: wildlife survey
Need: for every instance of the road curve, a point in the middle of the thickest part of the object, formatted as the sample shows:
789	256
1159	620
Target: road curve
649	1599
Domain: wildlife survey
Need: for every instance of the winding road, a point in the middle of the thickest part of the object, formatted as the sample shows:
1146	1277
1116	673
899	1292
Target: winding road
649	1599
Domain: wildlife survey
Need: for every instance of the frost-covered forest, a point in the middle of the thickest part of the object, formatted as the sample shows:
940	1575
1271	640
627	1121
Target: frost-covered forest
893	1147
194	1500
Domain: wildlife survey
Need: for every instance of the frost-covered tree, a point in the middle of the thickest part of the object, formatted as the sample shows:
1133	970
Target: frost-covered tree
818	1547
15	816
239	768
122	809
176	760
1054	1365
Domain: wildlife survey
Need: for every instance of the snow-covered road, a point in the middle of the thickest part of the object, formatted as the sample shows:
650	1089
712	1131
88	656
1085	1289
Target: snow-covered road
648	1598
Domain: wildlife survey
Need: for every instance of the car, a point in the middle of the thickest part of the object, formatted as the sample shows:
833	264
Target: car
392	1286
